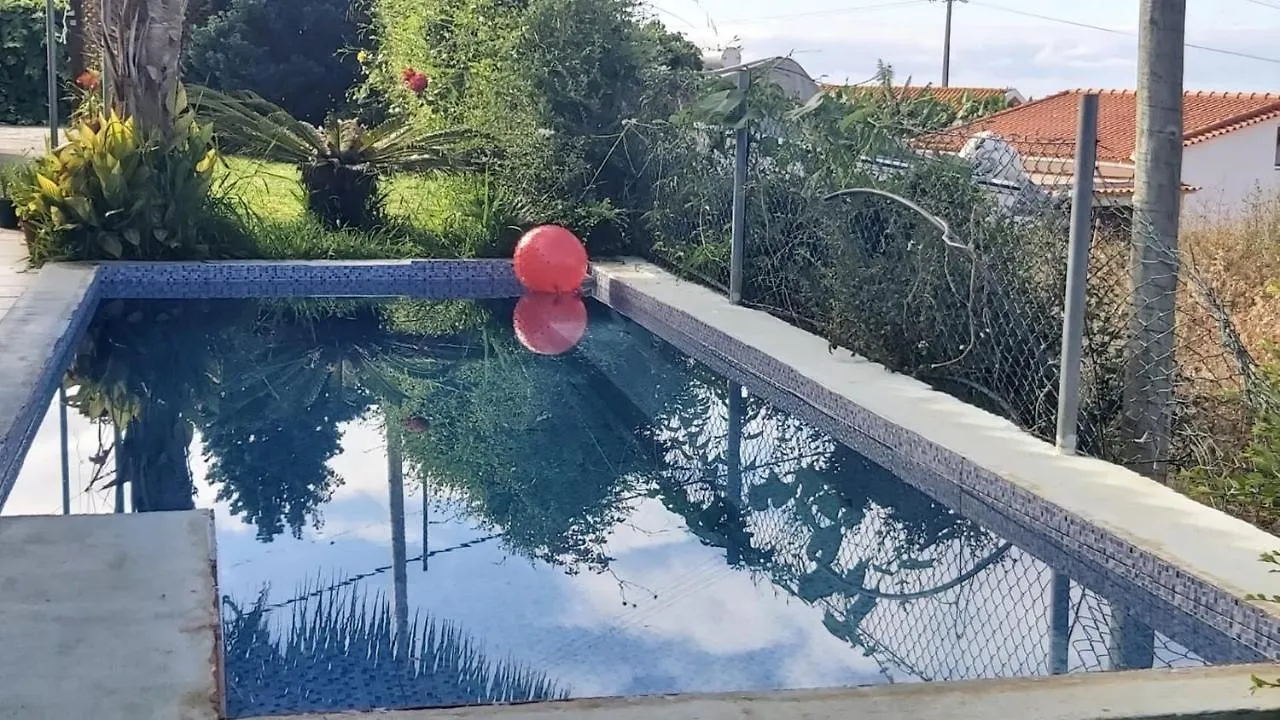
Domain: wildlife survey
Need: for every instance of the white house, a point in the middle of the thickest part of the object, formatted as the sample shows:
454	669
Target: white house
784	72
1231	145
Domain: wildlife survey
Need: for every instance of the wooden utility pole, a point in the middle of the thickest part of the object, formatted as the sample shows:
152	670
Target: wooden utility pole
946	44
1153	266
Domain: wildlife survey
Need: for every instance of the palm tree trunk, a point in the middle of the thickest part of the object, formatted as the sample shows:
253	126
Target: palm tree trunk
399	563
84	37
142	59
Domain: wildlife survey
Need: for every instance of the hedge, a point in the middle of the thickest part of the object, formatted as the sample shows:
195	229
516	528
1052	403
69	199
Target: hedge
563	86
295	53
23	89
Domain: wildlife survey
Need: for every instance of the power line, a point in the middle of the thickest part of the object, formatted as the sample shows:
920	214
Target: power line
1114	31
819	13
1264	3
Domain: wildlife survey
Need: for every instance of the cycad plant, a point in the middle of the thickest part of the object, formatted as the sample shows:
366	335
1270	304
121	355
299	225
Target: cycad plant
340	648
341	161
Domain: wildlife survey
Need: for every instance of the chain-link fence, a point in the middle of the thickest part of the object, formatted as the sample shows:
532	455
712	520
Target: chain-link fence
948	262
926	593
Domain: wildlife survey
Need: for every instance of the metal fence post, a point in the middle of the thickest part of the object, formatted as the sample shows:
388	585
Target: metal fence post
51	64
741	138
733	446
1077	273
65	458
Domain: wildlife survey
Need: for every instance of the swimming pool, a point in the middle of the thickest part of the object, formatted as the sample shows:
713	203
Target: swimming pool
412	510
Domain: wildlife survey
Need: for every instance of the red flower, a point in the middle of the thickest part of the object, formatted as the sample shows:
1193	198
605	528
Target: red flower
418	83
88	80
407	74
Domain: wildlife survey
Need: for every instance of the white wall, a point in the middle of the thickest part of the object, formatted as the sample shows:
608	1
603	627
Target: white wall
1229	168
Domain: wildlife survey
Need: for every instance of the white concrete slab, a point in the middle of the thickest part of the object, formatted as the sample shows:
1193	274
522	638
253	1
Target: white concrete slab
109	617
23	143
1216	692
1199	540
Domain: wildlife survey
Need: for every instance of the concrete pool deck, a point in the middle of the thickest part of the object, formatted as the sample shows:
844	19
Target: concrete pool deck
128	631
14	277
1191	556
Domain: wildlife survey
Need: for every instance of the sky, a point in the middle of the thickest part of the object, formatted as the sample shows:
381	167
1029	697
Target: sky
995	43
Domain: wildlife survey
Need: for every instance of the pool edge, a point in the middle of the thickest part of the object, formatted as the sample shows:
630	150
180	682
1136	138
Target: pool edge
1195	557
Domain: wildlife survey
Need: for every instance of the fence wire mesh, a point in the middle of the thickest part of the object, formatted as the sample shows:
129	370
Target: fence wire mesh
926	593
975	308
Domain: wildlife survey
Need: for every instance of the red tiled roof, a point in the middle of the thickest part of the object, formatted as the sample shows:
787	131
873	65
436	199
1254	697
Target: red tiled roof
1047	127
951	95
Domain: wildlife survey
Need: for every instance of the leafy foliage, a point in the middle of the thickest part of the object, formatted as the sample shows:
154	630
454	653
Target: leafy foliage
115	191
906	106
865	271
1248	485
23	72
293	54
496	430
342	160
563	85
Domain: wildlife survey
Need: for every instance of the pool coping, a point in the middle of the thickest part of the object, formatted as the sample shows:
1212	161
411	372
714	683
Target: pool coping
1193	557
1208	694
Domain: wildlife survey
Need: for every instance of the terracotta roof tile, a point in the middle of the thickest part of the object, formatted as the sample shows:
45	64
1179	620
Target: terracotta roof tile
1047	127
951	95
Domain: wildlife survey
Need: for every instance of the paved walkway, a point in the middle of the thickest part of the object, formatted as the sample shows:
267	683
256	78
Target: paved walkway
13	275
22	141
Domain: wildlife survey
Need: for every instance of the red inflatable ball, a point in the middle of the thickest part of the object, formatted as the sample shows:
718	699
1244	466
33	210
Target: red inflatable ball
550	324
550	259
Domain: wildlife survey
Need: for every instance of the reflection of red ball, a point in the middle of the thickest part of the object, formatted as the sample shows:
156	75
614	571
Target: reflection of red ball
550	259
550	324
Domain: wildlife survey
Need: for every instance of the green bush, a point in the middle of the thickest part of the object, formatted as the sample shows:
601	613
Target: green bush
113	192
568	88
291	53
1246	481
23	76
978	316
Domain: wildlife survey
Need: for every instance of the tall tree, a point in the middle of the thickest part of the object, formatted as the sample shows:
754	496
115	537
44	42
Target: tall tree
142	59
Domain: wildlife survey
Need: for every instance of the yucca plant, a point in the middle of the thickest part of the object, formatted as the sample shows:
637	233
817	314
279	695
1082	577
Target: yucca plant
341	161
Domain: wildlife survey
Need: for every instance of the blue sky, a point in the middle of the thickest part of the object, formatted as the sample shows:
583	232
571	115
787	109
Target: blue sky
994	42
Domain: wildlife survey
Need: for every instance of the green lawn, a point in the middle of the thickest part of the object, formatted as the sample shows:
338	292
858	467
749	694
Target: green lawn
429	217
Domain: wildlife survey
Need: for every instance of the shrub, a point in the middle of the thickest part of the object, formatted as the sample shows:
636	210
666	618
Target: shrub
114	191
342	161
565	87
291	53
976	314
23	76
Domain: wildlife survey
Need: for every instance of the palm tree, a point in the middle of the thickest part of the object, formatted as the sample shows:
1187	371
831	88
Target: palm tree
340	650
142	57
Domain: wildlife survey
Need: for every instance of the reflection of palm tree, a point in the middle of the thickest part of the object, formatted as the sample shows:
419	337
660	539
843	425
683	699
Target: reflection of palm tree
340	651
153	458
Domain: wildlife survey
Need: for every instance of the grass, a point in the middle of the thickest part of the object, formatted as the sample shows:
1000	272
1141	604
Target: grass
428	217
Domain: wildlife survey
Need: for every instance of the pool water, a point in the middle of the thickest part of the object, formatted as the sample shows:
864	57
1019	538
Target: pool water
413	510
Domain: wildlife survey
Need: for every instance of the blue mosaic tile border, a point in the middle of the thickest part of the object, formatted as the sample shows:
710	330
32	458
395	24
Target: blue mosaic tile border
443	279
979	487
38	334
1214	647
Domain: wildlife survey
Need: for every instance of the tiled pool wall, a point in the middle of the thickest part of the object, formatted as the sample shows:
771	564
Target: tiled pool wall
41	332
974	491
1133	601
